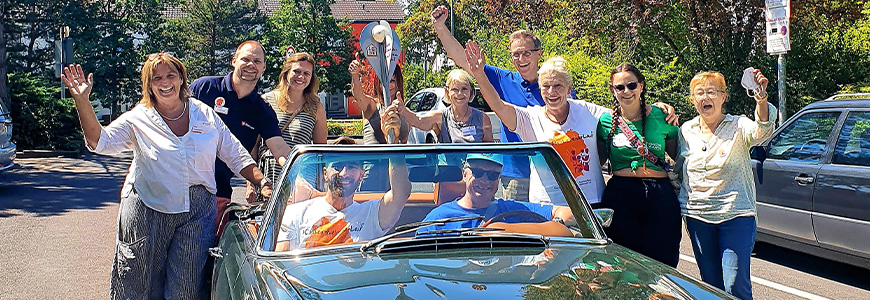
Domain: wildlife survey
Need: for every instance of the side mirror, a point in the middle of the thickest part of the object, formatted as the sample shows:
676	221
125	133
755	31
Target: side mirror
604	215
758	153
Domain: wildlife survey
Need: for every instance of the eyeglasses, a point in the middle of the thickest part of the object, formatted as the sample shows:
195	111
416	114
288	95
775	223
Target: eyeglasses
711	93
479	173
625	87
526	53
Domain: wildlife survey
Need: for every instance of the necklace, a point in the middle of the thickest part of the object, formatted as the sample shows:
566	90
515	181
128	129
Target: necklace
554	119
464	117
176	118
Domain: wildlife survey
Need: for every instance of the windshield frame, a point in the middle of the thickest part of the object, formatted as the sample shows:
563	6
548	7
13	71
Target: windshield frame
270	226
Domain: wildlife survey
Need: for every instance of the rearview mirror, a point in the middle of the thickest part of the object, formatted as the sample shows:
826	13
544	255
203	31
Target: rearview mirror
604	215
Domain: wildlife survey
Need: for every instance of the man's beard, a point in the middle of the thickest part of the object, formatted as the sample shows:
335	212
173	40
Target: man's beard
335	186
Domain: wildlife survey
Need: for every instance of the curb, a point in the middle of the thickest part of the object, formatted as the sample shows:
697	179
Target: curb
47	153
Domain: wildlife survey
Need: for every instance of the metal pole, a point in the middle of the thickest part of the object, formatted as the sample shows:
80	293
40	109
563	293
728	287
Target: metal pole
451	18
62	96
781	87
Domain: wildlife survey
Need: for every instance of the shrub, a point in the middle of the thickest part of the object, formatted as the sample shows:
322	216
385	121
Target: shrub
41	120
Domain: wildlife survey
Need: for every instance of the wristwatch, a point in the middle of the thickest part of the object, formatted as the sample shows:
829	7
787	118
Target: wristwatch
265	181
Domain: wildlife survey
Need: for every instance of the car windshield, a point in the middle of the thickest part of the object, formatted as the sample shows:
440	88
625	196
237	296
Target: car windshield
353	194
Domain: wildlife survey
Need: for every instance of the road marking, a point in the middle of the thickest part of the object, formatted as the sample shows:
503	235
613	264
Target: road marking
769	283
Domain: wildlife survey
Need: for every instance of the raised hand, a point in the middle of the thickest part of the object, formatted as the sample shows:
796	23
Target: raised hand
762	81
476	58
79	85
355	67
439	15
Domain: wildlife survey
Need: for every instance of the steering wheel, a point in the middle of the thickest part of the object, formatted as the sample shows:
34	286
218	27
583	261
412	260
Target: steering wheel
518	216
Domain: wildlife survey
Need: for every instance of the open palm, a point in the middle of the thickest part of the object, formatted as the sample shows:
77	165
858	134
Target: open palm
79	85
476	58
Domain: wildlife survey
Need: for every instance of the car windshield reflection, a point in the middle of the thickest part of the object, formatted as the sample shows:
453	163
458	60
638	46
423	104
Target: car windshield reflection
353	195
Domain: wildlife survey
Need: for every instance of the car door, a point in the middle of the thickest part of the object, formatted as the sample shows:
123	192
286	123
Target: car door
841	203
786	178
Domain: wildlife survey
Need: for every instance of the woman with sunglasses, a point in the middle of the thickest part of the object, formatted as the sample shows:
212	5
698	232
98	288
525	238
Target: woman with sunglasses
635	140
166	221
718	190
459	122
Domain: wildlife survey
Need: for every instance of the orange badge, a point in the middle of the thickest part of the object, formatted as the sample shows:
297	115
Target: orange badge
220	101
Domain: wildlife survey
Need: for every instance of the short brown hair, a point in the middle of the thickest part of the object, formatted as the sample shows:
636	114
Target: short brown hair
148	72
250	42
525	34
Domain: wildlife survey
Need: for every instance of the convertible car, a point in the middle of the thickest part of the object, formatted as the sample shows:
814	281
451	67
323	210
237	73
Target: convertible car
439	228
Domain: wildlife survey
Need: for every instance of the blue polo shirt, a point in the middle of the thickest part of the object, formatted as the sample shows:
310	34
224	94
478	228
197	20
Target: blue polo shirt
452	209
513	89
246	118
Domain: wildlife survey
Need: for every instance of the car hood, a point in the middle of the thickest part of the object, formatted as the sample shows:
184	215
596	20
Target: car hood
557	272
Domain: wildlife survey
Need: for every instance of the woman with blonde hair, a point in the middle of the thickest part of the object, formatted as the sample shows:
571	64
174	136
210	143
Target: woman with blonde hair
717	197
570	123
301	116
166	221
459	122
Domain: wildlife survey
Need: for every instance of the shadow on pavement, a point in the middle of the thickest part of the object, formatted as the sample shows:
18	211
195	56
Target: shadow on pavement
829	269
53	186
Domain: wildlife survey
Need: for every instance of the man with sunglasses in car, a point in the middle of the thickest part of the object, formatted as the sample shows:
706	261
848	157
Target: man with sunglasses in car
481	173
335	218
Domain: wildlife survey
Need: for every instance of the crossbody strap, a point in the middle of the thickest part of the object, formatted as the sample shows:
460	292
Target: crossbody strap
638	144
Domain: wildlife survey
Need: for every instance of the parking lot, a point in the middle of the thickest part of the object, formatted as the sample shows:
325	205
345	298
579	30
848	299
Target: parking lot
58	217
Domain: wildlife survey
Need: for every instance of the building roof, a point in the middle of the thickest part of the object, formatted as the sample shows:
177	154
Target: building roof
354	10
368	10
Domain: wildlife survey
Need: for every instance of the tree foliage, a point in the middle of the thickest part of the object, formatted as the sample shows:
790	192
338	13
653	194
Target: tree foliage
207	36
308	26
41	120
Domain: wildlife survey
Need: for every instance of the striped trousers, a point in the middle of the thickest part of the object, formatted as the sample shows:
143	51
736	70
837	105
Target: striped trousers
160	255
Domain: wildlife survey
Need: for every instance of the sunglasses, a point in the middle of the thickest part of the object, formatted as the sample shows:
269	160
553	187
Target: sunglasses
338	166
479	173
625	87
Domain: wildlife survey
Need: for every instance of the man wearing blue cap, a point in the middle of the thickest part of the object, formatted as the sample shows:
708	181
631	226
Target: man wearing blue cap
481	173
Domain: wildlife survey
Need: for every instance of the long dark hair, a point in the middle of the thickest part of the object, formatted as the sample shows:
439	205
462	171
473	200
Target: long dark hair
617	110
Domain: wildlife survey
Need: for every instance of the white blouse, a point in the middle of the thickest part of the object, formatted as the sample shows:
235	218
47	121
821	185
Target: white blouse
165	165
717	181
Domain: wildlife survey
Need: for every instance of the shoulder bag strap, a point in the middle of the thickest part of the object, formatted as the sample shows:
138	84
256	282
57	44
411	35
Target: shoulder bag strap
638	144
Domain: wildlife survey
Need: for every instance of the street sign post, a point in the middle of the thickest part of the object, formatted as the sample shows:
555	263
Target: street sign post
381	47
776	15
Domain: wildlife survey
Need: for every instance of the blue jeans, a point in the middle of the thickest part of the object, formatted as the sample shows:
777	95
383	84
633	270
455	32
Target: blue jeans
723	252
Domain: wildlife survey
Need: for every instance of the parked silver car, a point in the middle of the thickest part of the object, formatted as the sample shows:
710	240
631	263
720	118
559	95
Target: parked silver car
813	181
429	99
7	148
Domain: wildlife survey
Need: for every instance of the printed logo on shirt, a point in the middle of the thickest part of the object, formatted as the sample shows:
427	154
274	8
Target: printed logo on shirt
324	232
220	101
573	150
246	124
722	153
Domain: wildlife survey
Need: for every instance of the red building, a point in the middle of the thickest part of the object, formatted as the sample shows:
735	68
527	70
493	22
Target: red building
360	13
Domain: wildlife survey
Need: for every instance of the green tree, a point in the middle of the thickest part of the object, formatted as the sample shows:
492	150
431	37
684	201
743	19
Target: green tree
40	118
308	26
210	32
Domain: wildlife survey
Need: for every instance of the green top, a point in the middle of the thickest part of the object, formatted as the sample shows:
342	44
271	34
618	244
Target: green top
622	154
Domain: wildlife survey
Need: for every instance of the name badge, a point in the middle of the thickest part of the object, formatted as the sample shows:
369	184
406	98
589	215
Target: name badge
221	109
199	127
469	130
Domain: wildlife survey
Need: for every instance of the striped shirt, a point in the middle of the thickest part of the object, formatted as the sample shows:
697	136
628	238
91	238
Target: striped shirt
299	132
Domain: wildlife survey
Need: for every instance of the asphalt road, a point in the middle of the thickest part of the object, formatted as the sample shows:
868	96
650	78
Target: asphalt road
58	218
